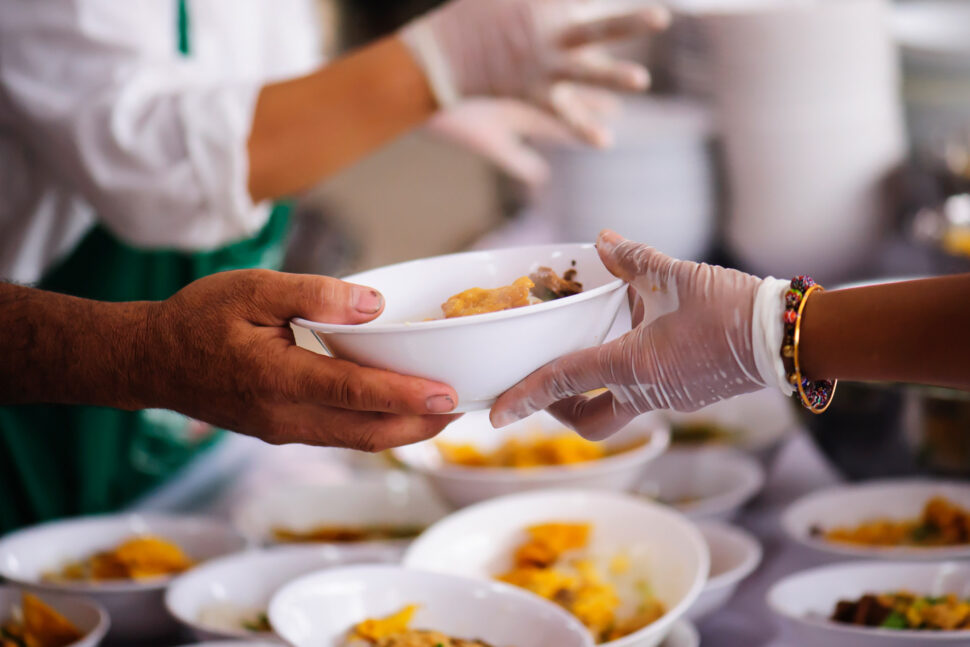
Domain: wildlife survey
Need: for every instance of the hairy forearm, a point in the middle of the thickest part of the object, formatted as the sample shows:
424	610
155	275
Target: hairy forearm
61	349
911	331
308	128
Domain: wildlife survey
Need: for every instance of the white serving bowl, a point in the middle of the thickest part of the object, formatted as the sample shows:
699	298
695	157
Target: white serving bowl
137	608
851	505
317	610
462	486
232	643
246	581
483	355
480	540
706	482
683	634
804	602
735	554
88	616
391	498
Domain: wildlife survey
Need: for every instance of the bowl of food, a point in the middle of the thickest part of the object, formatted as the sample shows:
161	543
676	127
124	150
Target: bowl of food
470	462
229	597
49	620
384	606
123	562
895	519
875	604
735	555
628	568
683	634
479	321
706	482
385	510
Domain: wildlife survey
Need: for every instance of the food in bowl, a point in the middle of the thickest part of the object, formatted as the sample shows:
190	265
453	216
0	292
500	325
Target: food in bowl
542	285
606	593
905	610
339	534
701	432
536	449
394	631
36	624
231	617
942	523
138	558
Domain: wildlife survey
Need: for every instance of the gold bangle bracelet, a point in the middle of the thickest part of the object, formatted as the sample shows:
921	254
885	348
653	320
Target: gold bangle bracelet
797	377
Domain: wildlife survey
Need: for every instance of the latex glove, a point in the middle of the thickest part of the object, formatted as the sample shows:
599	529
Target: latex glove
530	49
700	334
500	130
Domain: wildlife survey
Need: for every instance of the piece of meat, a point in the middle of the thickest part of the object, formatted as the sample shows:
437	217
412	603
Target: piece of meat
549	285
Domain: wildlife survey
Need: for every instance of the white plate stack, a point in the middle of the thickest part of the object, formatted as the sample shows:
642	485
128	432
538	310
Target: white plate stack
806	98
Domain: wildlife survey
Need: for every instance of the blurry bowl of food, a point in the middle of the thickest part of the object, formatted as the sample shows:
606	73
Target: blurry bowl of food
361	515
892	519
50	620
470	461
707	482
735	555
124	562
479	355
363	604
627	567
868	604
229	597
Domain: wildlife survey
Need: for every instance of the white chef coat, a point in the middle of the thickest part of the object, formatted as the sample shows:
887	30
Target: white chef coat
102	120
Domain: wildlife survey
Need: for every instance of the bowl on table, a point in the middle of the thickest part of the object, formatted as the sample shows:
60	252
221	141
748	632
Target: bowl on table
707	482
229	596
635	445
805	601
847	506
735	554
88	616
319	609
682	634
665	549
136	607
480	356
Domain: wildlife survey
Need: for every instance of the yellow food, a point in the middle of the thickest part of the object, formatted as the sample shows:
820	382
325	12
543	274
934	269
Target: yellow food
374	629
477	301
346	534
905	610
942	523
535	450
551	564
394	631
137	558
38	626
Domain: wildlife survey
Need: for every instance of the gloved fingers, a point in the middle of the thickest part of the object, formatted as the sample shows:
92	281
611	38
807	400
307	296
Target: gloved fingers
565	102
597	69
638	264
517	159
527	120
599	102
593	418
636	306
616	27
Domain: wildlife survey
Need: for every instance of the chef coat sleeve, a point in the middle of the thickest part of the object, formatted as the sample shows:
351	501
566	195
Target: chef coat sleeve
151	139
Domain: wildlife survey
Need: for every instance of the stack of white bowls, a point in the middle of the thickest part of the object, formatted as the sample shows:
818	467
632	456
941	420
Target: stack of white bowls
806	101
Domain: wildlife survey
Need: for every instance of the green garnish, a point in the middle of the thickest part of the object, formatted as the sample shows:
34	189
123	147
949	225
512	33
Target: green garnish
895	620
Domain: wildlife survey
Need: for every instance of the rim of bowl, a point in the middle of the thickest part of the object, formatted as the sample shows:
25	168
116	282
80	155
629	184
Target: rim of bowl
658	440
887	553
728	500
377	327
115	586
873	632
752	558
683	631
504	589
100	629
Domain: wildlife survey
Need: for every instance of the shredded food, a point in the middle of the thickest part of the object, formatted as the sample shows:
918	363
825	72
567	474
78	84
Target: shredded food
942	523
138	558
395	631
533	450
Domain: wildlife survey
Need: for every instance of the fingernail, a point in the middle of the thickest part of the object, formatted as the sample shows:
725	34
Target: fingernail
367	300
607	240
440	404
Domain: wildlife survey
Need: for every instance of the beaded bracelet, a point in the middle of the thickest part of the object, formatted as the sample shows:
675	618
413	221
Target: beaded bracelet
816	395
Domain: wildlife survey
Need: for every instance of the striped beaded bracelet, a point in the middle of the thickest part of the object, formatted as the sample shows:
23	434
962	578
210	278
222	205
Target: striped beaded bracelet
816	395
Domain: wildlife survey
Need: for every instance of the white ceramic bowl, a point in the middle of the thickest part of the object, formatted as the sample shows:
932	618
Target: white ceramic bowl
804	601
391	498
462	486
683	634
88	616
317	610
735	554
245	582
232	643
483	355
850	505
479	542
703	482
137	608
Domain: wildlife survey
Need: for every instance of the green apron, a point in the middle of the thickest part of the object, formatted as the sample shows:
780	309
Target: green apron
58	461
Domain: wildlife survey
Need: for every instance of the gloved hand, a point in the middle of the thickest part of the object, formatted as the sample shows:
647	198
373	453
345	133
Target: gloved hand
530	49
500	130
700	334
